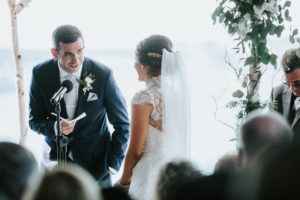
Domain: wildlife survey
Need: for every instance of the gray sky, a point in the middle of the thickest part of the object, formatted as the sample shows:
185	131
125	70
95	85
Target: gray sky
113	23
118	23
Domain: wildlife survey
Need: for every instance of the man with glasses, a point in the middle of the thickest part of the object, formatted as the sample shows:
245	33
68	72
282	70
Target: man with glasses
287	95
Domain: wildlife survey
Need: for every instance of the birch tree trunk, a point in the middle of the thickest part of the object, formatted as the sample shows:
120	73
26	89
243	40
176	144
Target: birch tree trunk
254	78
19	74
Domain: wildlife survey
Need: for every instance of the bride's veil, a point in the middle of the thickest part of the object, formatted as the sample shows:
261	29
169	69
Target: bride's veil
176	105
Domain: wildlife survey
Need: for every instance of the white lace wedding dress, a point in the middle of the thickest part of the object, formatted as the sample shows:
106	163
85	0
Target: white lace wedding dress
146	170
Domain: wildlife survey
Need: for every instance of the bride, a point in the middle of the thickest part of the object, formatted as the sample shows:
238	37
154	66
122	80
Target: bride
159	118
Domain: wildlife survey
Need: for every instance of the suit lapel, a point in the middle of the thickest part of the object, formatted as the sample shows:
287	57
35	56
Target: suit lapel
297	117
286	103
82	99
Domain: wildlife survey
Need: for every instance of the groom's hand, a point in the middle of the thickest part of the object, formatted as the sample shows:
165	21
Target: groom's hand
66	128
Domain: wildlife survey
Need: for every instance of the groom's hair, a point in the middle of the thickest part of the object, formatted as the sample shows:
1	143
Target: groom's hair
65	34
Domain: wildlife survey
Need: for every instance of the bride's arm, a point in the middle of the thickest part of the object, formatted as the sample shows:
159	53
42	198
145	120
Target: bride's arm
140	115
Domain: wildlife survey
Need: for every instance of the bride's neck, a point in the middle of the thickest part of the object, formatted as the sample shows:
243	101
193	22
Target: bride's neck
148	78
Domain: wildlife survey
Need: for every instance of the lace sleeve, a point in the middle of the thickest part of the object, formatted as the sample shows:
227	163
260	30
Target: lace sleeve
142	97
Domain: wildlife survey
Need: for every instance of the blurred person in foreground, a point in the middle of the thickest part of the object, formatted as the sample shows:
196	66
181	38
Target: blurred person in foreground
17	167
69	183
172	176
259	131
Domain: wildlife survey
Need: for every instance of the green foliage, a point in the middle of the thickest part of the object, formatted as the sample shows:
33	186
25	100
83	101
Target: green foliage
81	82
273	60
298	53
273	105
249	61
287	15
278	30
238	94
287	4
251	23
245	82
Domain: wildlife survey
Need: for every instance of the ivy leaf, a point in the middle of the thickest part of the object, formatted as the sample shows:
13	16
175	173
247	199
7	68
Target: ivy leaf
272	29
273	59
298	53
280	19
261	48
265	58
292	39
238	94
286	15
245	82
221	18
240	114
240	72
248	61
273	105
295	32
278	30
216	13
232	104
287	4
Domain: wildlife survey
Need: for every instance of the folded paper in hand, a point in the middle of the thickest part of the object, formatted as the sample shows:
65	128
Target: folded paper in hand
73	120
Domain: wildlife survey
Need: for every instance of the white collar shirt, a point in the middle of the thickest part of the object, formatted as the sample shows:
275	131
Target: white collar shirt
71	97
297	103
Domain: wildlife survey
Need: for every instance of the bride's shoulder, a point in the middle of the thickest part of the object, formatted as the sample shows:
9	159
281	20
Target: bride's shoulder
142	97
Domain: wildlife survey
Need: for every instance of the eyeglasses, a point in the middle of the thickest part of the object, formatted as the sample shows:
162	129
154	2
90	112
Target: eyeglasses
295	83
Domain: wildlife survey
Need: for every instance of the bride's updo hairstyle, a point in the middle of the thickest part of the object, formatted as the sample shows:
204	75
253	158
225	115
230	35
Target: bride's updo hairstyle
149	52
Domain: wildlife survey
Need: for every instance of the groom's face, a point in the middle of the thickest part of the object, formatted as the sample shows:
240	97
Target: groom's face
70	56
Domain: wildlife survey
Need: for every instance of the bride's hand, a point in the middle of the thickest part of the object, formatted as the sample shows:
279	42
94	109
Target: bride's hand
124	187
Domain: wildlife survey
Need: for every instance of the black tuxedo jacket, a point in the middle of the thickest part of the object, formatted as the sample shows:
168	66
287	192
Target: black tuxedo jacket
93	146
283	95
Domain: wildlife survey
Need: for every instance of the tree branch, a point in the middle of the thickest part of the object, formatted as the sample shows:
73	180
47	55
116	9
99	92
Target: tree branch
215	115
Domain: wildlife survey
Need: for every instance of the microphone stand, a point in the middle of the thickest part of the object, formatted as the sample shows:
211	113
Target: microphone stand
62	141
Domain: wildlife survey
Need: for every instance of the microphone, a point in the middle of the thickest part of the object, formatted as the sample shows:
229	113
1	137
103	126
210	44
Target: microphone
66	86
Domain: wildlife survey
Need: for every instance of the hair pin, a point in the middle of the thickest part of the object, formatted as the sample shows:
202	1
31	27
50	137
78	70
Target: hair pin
155	55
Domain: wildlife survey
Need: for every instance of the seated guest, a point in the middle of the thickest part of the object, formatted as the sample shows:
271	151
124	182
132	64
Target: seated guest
115	193
172	176
68	183
227	163
280	178
260	138
207	187
259	131
17	166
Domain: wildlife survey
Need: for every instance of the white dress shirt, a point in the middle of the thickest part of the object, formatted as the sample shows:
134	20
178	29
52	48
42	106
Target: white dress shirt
71	97
297	103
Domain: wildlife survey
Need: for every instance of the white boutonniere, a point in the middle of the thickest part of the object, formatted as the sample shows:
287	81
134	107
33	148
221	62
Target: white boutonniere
87	81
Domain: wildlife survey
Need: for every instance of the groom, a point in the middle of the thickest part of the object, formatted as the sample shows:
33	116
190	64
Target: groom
91	146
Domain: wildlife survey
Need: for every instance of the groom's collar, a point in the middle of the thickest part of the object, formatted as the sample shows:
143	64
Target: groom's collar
63	73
